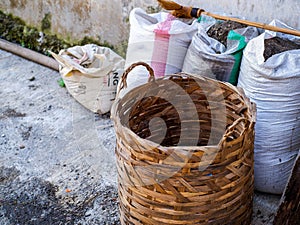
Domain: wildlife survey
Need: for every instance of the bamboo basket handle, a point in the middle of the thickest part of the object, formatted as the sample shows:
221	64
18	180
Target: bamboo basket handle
130	68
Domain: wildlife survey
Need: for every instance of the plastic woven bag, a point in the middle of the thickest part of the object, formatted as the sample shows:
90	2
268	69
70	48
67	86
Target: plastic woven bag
91	74
158	39
273	84
209	57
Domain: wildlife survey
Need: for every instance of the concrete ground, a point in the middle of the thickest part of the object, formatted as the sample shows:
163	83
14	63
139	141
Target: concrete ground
57	162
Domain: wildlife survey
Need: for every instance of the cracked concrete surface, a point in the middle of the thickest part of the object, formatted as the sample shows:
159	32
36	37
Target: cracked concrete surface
57	158
57	162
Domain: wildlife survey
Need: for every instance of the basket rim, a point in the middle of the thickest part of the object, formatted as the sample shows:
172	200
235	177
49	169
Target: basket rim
251	107
238	90
188	148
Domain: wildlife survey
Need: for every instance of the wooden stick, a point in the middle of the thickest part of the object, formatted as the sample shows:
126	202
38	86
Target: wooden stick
254	24
189	12
29	54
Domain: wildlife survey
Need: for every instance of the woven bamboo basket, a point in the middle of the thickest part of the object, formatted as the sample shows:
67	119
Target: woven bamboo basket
184	151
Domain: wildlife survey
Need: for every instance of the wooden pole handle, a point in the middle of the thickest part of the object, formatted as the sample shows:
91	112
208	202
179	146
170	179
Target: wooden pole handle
190	12
254	24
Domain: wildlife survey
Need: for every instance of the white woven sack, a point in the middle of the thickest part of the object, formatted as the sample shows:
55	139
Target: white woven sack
208	57
91	74
274	85
159	39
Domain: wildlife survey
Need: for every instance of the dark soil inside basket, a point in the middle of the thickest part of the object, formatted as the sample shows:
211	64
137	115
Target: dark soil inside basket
278	45
220	30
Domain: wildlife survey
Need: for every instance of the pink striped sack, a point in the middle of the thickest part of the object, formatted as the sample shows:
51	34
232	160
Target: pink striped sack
159	39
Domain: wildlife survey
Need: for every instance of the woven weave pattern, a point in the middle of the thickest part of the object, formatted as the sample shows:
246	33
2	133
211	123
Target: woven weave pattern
195	167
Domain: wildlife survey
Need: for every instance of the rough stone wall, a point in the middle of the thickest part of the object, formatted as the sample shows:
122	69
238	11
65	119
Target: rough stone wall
107	20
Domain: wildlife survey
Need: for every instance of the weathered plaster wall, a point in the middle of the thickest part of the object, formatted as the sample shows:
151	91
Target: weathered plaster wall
255	10
72	20
107	20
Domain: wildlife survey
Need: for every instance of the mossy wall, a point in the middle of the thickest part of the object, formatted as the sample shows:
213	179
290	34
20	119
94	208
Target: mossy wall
102	20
